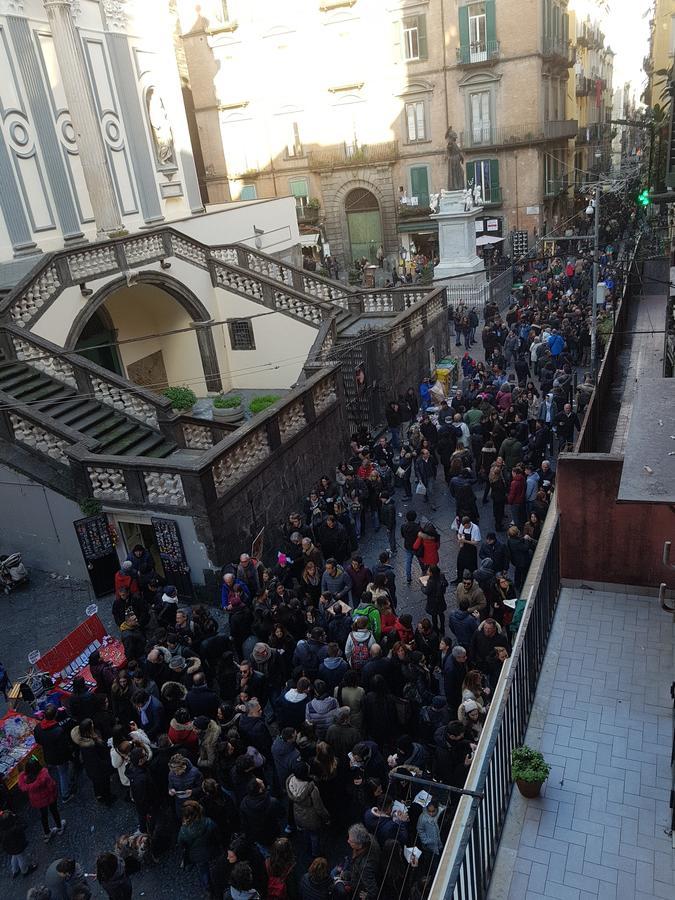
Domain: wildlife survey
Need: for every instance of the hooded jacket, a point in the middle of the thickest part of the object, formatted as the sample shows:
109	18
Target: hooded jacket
332	670
308	809
199	840
363	636
118	887
41	792
208	743
463	625
474	595
292	708
285	755
54	740
321	712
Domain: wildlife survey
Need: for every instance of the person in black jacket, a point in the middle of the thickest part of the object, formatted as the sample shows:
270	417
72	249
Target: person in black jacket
452	756
142	786
15	844
454	673
409	531
57	748
493	549
201	700
435	590
83	703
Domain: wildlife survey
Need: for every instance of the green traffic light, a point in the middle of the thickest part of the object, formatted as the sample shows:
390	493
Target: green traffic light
643	197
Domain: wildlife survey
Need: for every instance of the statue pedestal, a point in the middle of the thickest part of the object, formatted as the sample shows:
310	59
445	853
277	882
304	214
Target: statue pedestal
457	240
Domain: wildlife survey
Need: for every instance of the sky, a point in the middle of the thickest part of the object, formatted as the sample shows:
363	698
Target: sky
625	24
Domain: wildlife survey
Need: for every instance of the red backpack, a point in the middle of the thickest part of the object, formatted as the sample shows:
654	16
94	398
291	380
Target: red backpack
276	884
360	654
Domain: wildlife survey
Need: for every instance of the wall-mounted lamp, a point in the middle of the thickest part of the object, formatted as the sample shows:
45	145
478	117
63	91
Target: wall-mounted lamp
164	264
84	290
257	232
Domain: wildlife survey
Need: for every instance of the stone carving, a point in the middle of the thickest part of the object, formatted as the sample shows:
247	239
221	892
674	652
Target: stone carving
115	14
242	284
291	420
38	358
162	136
324	394
226	255
478	195
165	488
38	439
197	437
107	484
455	161
90	263
125	401
186	249
140	249
239	460
467	199
33	298
297	306
274	270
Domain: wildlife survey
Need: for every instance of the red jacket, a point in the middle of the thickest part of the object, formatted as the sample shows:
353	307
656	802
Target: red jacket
429	546
41	792
517	490
388	622
127	581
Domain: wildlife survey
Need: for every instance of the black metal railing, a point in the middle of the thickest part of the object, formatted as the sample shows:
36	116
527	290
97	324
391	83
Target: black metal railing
479	52
468	859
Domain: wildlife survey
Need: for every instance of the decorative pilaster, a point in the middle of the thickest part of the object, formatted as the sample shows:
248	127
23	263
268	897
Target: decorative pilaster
76	86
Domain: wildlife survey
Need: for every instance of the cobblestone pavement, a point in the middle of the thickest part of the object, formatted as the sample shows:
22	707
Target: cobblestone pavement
602	717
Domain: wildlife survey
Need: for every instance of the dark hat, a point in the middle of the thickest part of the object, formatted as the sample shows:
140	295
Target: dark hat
201	723
170	590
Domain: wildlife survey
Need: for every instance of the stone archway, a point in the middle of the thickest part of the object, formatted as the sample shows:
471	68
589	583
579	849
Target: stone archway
338	185
173	306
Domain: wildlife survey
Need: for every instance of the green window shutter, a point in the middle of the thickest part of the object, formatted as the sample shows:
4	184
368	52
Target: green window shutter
494	177
464	26
419	183
422	36
490	21
470	172
298	187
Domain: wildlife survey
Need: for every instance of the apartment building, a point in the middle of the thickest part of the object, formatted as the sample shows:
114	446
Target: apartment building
593	98
345	105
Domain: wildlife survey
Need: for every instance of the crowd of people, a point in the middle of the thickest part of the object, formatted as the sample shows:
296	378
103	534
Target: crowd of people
310	739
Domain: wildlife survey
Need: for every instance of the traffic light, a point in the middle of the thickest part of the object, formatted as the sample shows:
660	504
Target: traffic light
643	198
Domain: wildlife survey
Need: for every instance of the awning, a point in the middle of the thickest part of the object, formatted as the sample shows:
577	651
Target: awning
309	240
417	227
487	239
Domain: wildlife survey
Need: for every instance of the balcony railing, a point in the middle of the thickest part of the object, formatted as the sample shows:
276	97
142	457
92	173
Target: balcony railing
557	48
476	53
553	186
492	196
417	205
307	215
341	155
598	131
488	136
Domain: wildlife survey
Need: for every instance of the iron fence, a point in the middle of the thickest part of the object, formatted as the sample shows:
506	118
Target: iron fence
468	860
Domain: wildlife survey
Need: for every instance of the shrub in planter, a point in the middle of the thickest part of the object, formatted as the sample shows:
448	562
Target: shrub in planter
258	404
228	408
182	398
529	770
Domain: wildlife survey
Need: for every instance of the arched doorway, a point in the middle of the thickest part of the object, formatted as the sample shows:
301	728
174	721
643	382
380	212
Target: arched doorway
97	342
154	331
364	224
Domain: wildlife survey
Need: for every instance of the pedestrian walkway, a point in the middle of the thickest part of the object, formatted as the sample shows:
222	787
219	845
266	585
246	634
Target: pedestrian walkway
603	719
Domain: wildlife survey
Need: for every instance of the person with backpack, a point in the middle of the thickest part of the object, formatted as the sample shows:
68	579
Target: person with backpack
309	813
368	610
359	642
280	865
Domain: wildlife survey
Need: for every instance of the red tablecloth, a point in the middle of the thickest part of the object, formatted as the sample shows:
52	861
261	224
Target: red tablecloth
75	644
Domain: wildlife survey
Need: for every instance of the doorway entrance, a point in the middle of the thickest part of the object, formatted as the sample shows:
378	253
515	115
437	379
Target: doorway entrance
97	342
137	533
364	224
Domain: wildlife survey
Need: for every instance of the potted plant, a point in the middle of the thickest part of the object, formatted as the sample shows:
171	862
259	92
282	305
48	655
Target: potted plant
182	398
228	409
529	770
258	404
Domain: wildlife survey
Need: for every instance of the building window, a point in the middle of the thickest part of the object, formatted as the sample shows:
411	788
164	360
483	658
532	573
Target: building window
241	334
477	32
481	130
414	38
485	173
299	188
248	192
415	117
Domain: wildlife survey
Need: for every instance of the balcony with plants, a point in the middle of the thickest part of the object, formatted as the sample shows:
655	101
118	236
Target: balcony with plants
344	155
308	213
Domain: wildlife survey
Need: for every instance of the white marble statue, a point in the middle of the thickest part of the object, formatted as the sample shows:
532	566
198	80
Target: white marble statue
478	195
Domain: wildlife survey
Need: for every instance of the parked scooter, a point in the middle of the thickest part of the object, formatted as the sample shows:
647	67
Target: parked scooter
13	573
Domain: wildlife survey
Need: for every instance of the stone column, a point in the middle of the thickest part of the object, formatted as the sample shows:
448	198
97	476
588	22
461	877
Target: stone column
84	117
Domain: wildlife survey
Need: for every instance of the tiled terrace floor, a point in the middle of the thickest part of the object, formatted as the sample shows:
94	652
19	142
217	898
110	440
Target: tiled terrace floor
603	719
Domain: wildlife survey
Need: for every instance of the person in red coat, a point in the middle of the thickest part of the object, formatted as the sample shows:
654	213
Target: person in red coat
36	781
516	497
428	541
125	578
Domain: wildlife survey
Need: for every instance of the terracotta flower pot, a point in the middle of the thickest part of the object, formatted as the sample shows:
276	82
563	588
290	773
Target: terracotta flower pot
529	789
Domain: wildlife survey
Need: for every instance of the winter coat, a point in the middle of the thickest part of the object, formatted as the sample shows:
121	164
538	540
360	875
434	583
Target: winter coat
511	451
185	737
190	780
516	495
95	755
354	698
429	833
429	547
358	637
121	762
435	594
308	809
339	585
360	579
475	596
462	624
55	742
12	835
310	889
202	701
62	888
41	792
364	870
308	655
285	755
118	887
498	553
133	640
409	532
199	840
260	818
208	743
332	670
292	709
321	713
482	645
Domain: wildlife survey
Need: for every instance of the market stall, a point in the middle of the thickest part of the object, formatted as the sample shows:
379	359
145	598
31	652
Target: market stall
70	657
17	744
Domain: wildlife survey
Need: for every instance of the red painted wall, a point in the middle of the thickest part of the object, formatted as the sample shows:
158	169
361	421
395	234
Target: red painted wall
602	540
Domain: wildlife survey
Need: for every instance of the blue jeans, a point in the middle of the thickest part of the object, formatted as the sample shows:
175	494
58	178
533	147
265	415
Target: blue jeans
62	774
375	518
409	556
